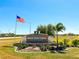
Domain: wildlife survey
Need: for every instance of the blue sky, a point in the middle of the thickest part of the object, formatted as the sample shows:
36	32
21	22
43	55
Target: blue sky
38	12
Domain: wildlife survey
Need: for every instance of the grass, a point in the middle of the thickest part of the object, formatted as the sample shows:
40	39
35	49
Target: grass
68	38
73	53
7	52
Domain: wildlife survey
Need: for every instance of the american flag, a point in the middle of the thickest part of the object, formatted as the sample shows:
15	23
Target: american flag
19	19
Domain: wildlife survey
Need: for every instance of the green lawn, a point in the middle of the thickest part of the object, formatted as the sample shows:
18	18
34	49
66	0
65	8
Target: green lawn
8	52
72	53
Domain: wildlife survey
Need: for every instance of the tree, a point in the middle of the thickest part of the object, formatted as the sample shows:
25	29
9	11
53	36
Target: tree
42	29
11	34
3	35
50	30
57	28
46	29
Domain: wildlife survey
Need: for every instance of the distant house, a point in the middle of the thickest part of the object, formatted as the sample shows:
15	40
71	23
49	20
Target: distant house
36	39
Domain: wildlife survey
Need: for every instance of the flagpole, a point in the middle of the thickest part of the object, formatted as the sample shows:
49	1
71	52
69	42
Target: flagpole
15	27
30	28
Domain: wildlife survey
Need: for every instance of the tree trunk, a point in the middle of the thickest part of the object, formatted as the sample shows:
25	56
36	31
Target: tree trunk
57	40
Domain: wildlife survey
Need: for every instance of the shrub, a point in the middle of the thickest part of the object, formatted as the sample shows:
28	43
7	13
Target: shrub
61	46
67	45
51	48
20	45
43	48
75	42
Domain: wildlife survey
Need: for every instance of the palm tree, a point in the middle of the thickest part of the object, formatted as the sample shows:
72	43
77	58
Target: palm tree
57	28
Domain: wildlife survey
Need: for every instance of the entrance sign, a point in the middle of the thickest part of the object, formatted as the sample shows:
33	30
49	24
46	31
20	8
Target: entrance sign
37	39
